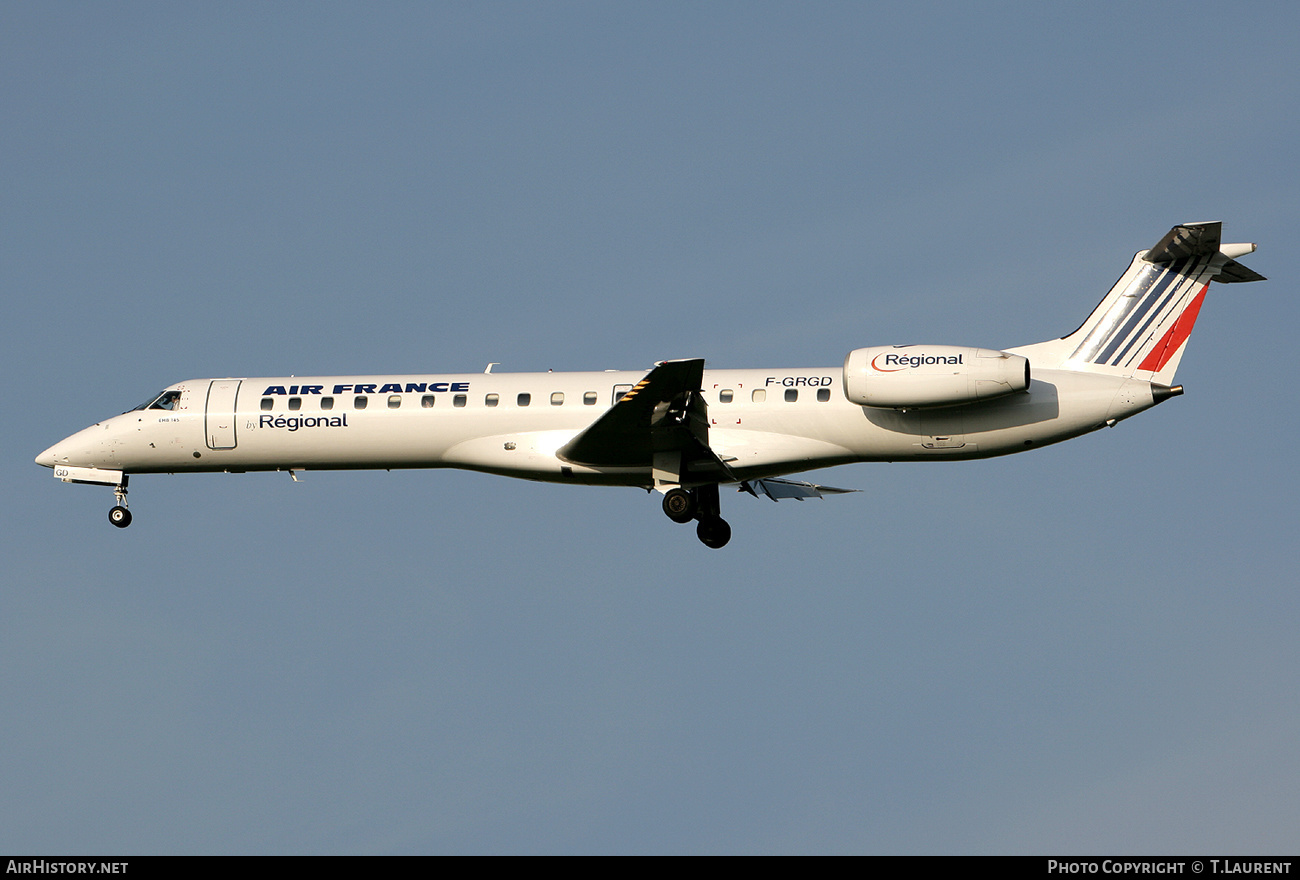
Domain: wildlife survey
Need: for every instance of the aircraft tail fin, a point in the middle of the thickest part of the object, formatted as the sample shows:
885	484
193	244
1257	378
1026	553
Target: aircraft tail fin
1141	326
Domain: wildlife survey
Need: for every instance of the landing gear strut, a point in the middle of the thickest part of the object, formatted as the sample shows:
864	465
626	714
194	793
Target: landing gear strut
683	505
119	515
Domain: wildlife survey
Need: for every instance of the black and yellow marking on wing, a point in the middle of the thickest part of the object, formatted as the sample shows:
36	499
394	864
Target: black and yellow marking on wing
651	417
632	392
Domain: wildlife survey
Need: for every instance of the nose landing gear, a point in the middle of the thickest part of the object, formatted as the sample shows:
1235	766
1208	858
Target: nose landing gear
683	505
119	515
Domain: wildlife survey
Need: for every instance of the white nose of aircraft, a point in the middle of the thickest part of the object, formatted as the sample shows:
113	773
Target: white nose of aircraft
51	456
85	447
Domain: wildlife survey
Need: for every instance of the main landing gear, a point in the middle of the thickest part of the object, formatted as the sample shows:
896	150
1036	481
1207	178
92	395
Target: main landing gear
119	515
683	505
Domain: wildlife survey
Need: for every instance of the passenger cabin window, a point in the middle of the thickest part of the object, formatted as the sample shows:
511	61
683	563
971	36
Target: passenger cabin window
491	400
823	395
725	395
759	395
268	404
791	395
327	403
459	400
295	403
427	401
524	399
589	399
359	402
394	401
557	398
619	391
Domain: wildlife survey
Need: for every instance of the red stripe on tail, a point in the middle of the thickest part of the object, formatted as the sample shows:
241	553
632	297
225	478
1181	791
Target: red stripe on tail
1177	335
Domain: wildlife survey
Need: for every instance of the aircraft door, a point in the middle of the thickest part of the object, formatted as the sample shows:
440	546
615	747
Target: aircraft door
219	418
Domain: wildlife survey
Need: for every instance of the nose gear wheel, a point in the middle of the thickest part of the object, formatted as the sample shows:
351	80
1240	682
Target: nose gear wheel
119	515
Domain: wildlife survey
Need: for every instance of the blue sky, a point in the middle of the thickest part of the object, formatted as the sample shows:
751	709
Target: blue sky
1089	648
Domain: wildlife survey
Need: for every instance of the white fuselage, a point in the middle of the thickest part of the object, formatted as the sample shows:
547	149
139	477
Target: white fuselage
681	429
762	423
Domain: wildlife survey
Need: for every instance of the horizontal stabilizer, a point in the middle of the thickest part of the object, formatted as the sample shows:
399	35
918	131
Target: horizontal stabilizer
781	489
1203	240
1187	240
1233	272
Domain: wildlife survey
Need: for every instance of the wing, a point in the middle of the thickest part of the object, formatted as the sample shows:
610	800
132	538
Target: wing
663	413
779	489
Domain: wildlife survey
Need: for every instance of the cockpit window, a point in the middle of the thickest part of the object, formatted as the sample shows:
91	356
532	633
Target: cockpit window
166	400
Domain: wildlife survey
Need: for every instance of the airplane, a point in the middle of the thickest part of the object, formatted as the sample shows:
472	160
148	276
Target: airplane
680	429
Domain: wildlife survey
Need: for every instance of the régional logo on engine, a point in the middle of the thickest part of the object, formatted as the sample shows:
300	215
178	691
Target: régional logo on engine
895	362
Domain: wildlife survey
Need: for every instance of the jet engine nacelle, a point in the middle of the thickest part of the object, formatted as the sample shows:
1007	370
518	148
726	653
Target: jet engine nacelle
923	376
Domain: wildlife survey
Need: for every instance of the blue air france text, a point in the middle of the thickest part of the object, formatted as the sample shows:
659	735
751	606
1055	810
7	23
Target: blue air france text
370	388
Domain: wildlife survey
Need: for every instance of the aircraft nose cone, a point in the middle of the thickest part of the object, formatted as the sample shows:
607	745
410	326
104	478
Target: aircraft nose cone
48	457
